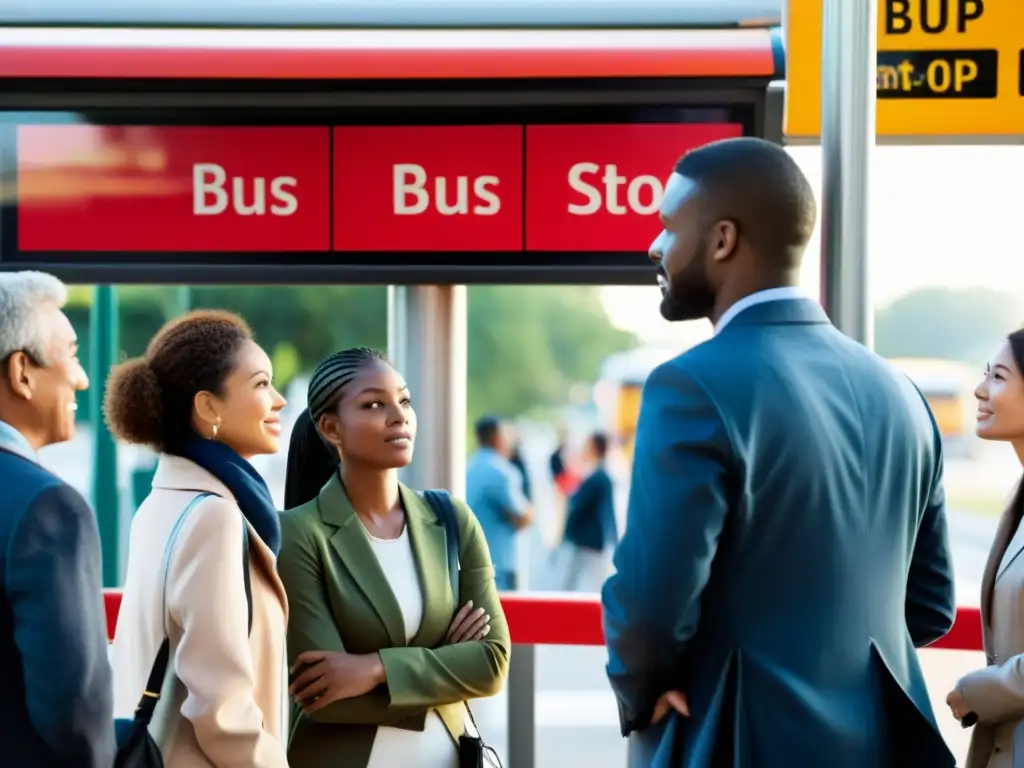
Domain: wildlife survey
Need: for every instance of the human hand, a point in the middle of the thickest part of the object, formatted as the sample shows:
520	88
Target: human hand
468	625
671	700
329	676
957	706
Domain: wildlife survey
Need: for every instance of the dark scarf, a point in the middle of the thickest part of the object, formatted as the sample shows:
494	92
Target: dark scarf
250	490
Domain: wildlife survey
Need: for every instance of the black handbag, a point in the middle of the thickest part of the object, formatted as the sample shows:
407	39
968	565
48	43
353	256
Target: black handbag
473	751
136	747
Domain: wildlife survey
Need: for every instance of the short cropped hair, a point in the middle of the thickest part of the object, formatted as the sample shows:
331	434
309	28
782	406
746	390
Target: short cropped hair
22	295
487	428
758	185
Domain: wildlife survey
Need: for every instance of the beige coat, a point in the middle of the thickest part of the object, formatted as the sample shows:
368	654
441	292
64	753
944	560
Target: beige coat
996	693
225	705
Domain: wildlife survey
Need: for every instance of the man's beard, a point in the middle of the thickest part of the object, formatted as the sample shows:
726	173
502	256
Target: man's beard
690	295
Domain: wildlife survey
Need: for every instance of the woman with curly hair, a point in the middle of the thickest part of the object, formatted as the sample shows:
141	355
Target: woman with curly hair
202	600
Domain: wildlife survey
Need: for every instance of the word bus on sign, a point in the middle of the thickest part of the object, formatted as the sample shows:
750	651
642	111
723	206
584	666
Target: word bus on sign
360	189
945	68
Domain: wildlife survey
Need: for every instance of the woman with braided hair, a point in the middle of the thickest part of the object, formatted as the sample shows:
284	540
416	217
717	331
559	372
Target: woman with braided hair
382	662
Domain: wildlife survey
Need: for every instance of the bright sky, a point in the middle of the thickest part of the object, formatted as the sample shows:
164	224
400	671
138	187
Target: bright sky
941	216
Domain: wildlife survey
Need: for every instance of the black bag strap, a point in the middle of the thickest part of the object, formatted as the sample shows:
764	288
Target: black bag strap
441	502
154	685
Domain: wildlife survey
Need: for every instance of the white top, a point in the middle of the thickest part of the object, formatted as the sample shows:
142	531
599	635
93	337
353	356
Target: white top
761	297
392	747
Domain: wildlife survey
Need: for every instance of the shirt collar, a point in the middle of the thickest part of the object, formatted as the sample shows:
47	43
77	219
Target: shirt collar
13	441
772	294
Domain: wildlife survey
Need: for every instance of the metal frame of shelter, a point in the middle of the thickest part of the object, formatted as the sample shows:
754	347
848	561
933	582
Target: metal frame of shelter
120	60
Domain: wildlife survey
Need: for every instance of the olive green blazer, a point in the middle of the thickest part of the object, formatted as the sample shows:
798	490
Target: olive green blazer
340	600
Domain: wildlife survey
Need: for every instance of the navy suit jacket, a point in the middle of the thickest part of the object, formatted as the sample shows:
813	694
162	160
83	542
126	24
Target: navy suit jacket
56	702
785	552
591	520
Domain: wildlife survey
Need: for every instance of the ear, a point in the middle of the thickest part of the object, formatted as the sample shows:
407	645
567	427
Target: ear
21	375
205	406
725	236
330	427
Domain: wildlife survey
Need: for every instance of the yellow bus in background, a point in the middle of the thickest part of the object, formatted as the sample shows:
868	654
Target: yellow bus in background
948	387
618	388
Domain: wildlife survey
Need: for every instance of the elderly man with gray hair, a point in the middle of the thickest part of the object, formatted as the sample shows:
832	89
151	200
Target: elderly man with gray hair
56	704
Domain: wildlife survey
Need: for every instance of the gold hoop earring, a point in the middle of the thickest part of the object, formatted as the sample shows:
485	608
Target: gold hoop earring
215	428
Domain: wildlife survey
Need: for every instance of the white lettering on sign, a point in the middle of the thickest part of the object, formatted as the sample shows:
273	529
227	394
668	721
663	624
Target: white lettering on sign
412	194
643	193
211	193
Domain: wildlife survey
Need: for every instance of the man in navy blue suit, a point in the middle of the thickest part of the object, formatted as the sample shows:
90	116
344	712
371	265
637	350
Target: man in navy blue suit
56	703
786	545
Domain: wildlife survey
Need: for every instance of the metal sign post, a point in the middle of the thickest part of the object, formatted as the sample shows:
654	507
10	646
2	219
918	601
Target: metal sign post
848	69
427	344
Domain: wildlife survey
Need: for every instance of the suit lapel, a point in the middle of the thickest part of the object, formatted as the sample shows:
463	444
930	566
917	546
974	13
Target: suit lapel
1004	533
263	558
428	545
1012	550
353	547
180	474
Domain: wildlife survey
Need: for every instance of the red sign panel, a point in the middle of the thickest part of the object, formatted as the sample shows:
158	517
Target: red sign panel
428	188
96	188
599	187
591	188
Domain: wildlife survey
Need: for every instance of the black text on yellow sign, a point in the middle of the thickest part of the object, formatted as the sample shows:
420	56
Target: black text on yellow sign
938	74
945	68
931	17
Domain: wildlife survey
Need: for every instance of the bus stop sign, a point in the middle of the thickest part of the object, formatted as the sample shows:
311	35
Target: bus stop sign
946	68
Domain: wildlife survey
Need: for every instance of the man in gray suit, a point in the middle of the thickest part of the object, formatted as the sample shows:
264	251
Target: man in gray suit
786	546
56	703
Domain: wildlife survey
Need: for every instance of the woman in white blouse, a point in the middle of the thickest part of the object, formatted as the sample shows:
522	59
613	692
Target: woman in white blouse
382	664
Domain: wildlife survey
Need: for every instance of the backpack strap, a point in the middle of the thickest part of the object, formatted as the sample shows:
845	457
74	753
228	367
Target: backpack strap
158	672
441	503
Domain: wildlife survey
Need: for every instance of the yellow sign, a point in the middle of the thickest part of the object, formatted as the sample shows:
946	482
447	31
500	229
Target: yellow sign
945	68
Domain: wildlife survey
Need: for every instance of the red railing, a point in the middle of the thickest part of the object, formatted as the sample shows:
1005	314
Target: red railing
566	619
540	618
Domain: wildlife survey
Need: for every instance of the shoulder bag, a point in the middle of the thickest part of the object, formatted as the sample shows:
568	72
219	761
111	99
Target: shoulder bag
473	752
136	747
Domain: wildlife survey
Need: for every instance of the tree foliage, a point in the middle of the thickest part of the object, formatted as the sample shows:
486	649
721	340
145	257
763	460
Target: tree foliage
527	345
964	325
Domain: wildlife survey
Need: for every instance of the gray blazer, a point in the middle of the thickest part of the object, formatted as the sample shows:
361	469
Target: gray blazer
996	693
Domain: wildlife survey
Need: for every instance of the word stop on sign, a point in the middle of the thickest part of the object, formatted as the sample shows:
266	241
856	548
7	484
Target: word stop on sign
213	192
414	192
643	193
